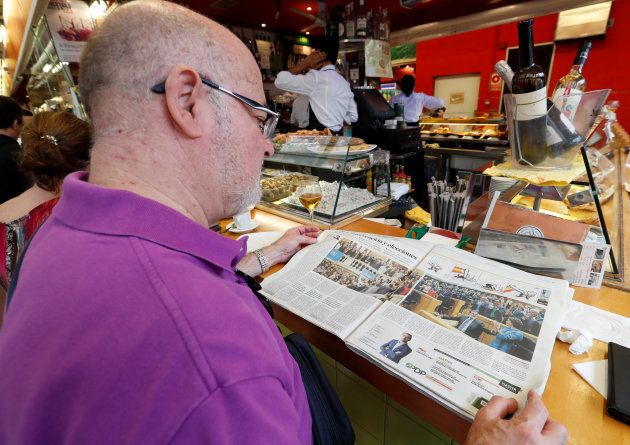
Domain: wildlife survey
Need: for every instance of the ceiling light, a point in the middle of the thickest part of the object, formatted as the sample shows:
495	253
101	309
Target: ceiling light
308	32
308	8
264	25
47	67
98	8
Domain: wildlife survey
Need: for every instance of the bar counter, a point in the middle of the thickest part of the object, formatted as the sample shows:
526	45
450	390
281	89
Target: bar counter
569	398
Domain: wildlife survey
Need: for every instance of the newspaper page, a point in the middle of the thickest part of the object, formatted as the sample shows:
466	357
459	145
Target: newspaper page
338	282
463	328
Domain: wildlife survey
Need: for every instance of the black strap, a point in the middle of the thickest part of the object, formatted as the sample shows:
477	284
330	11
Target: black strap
315	124
255	288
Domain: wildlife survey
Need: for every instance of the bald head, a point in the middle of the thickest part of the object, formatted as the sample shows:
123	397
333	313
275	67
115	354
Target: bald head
139	43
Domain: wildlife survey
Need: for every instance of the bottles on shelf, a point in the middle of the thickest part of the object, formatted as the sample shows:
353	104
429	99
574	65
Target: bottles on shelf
362	25
570	87
529	88
350	21
355	21
399	175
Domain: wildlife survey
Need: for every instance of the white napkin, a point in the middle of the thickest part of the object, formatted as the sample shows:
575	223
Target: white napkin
595	373
258	240
602	325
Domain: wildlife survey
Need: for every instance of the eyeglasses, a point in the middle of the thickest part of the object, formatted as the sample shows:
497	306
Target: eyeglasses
267	127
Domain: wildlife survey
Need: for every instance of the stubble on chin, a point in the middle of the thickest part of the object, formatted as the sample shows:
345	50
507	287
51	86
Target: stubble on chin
242	201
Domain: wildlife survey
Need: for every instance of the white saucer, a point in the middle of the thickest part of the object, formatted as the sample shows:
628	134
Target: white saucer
233	228
259	240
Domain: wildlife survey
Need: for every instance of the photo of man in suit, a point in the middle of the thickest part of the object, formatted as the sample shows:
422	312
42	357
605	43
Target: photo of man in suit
468	324
396	349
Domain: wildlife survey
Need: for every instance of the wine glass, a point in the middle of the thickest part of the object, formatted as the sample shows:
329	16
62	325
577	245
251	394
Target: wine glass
310	194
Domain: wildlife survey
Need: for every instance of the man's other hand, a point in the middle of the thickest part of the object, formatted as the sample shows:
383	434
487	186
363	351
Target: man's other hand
290	243
532	426
313	60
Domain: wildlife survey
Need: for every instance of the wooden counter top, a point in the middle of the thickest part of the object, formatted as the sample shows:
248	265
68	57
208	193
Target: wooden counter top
569	398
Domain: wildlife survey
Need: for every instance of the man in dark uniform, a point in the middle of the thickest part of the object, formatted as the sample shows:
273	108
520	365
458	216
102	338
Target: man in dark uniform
12	180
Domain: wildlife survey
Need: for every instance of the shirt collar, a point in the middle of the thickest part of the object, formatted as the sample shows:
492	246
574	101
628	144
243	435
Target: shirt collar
4	136
329	67
96	209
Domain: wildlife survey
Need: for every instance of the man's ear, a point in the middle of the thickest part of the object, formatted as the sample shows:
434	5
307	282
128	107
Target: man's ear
16	125
184	90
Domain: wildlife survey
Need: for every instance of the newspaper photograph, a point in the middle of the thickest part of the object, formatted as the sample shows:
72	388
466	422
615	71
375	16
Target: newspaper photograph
339	281
463	331
456	326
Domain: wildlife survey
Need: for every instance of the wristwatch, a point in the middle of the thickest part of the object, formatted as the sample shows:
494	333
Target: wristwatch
262	259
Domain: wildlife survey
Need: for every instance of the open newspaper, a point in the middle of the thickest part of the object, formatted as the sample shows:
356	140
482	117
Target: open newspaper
457	327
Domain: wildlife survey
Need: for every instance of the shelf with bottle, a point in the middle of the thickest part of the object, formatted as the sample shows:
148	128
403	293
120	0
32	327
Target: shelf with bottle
360	23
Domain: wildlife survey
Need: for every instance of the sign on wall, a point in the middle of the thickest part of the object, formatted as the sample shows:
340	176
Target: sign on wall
457	98
378	59
495	82
71	24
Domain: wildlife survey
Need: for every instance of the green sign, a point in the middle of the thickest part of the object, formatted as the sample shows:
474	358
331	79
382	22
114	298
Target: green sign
302	40
403	54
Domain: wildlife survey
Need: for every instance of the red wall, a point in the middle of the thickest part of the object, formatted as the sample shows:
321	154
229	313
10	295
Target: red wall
477	51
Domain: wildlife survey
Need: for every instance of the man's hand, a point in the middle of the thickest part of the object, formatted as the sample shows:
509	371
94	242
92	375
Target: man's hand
313	60
290	243
282	250
532	426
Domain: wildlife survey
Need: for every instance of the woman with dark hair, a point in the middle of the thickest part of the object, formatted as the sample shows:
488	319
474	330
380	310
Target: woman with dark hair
53	145
414	102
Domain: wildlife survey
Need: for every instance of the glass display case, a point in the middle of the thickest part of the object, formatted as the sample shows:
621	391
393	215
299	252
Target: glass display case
457	146
599	201
51	84
353	180
476	133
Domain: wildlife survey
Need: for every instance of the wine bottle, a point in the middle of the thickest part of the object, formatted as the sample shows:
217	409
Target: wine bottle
560	134
350	23
570	87
362	27
342	26
530	96
505	73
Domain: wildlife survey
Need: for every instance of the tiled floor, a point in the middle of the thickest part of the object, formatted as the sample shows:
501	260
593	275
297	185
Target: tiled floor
377	420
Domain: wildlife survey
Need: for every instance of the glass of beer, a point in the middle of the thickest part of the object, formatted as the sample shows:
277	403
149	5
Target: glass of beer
310	194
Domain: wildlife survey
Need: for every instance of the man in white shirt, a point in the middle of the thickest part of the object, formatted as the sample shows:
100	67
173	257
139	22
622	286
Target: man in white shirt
414	102
330	97
300	111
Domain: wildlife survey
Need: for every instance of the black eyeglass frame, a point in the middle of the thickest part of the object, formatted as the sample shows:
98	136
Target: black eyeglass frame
268	125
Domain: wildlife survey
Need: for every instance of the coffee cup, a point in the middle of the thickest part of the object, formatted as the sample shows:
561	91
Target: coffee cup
243	221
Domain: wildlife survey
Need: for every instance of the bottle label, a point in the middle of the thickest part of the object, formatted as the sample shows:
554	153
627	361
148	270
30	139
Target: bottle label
361	23
354	73
350	29
531	105
567	100
342	30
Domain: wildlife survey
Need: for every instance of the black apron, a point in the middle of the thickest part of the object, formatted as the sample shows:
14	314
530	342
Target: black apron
315	124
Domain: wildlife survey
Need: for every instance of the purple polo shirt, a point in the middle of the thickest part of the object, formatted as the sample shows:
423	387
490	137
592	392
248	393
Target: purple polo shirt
128	326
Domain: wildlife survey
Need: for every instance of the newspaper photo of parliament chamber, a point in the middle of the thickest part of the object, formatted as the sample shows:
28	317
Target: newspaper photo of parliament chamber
458	327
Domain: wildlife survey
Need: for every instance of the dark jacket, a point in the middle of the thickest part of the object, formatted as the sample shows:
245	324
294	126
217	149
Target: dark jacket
473	330
12	181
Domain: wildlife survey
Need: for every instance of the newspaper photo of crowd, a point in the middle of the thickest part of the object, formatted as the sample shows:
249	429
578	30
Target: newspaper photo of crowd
406	286
500	322
362	269
336	273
